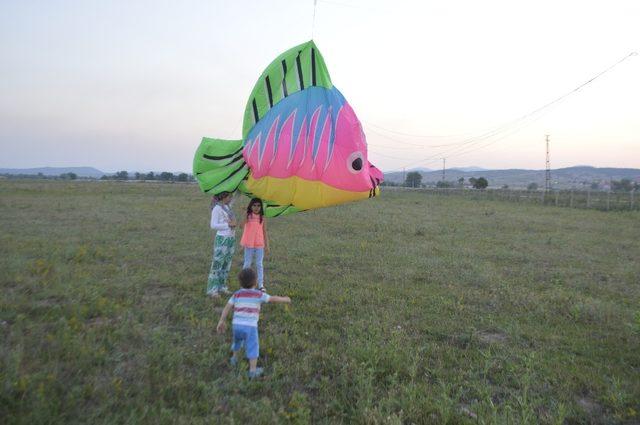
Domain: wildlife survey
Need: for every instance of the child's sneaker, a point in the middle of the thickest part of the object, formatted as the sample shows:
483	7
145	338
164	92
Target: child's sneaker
263	289
233	360
256	373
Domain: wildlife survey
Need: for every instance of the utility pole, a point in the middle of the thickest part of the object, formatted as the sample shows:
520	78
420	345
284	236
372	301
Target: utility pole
404	179
547	179
444	160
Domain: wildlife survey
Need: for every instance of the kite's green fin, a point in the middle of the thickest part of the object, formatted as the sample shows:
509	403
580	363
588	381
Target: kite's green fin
294	70
219	166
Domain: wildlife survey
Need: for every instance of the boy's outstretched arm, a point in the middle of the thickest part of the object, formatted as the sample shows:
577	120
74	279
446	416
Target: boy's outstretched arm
276	299
222	323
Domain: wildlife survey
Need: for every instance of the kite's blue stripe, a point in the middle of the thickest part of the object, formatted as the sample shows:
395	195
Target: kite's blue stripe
304	103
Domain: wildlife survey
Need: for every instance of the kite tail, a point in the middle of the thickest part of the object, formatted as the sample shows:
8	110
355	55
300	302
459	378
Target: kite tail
219	165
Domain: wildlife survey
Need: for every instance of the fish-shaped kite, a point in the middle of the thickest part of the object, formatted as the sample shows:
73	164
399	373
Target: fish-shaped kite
302	148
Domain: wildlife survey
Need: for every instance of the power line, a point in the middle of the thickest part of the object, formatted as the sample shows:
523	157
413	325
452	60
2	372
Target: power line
420	145
456	152
475	145
521	121
386	156
422	136
542	107
460	146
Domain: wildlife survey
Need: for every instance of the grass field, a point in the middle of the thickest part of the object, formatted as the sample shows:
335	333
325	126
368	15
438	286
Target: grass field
408	308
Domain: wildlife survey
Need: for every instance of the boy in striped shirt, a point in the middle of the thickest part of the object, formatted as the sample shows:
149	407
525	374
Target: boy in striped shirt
246	312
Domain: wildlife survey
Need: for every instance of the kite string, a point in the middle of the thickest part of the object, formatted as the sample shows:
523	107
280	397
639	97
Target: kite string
313	22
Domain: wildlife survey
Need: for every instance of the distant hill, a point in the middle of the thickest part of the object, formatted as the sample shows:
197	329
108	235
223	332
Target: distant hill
562	178
469	169
56	171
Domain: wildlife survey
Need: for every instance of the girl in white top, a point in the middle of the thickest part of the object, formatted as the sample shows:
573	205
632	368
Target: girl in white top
223	221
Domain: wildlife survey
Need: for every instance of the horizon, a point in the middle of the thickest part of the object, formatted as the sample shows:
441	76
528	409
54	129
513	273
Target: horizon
421	169
136	86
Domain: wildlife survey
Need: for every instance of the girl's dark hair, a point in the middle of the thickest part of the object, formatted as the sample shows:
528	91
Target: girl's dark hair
217	198
220	196
255	201
247	278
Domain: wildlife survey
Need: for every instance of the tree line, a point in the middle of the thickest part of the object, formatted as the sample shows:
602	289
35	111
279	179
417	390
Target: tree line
414	179
120	175
162	176
40	176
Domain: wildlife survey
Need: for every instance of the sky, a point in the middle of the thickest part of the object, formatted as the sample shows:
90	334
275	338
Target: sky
134	85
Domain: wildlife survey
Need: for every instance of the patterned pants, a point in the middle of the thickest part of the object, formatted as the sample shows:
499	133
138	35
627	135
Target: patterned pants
220	264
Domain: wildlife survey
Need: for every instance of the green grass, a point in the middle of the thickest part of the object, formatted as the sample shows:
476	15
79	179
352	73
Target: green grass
408	308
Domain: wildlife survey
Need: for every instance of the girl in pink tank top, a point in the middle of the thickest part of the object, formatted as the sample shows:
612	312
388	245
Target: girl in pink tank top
254	239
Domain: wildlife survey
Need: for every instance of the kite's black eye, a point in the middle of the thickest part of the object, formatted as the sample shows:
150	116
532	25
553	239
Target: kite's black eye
355	162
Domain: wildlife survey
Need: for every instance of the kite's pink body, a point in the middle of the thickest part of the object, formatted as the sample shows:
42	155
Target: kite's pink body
330	168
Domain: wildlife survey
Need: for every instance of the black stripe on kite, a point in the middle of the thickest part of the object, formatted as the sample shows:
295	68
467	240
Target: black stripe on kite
313	67
236	159
255	110
229	176
299	65
282	212
284	78
217	158
269	91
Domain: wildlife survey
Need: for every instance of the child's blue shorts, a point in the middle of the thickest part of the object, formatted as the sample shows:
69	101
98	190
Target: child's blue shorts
246	336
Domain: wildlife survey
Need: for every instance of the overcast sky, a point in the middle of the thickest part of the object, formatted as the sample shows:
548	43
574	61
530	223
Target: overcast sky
135	84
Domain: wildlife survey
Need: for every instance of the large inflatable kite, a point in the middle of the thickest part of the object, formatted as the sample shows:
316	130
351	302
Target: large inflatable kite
302	145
